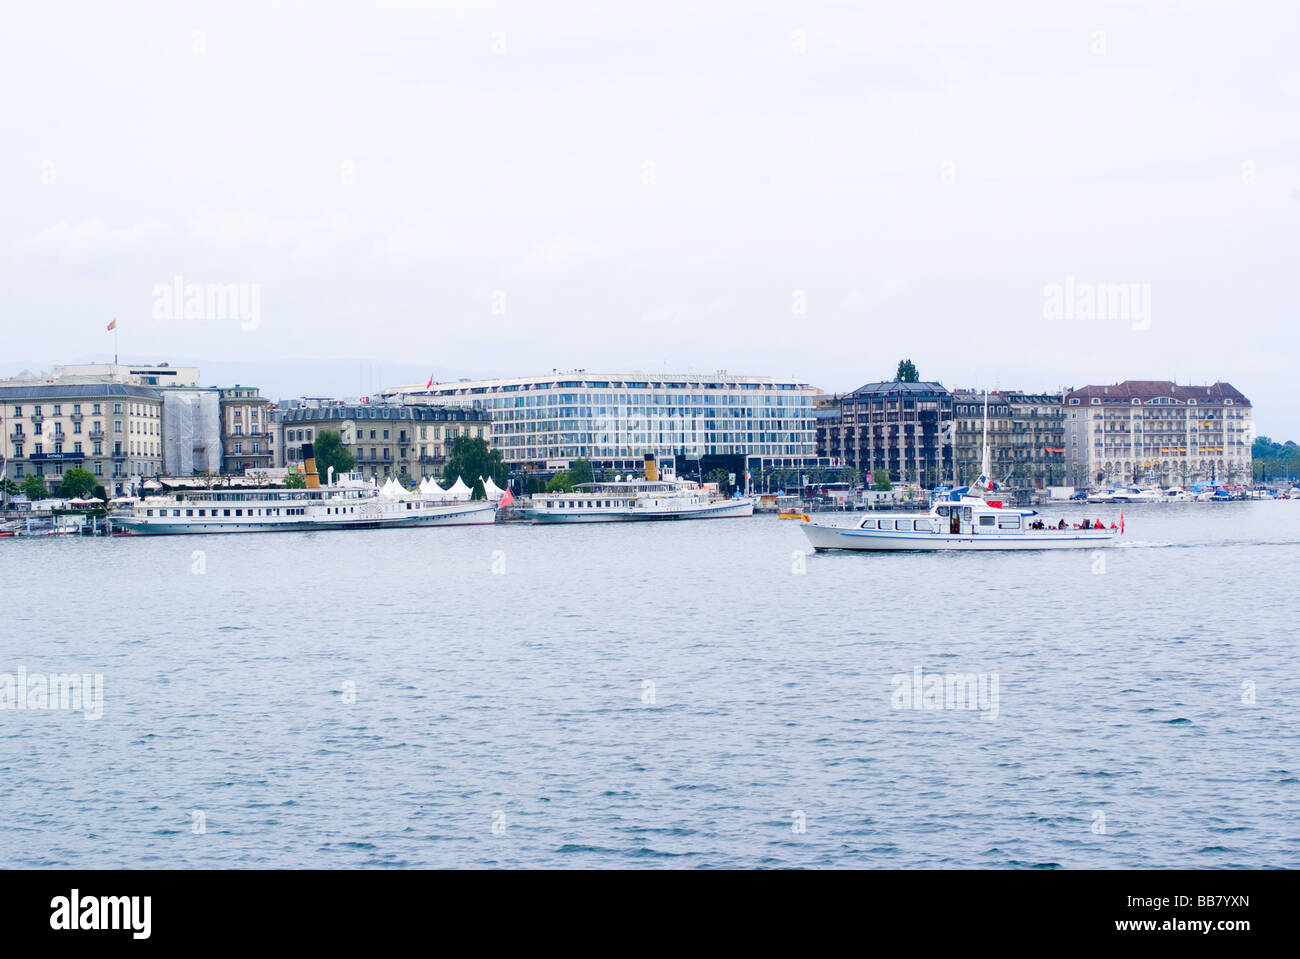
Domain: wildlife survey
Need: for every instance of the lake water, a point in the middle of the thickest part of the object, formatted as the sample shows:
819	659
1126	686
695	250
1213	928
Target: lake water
664	695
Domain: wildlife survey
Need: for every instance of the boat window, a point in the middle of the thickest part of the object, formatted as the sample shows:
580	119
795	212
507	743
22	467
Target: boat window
868	524
923	526
987	520
1008	522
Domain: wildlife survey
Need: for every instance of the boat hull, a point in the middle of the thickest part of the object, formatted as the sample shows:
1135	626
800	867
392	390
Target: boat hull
721	510
850	538
479	513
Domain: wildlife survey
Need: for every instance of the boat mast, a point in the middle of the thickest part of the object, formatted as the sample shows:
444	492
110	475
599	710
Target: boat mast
984	457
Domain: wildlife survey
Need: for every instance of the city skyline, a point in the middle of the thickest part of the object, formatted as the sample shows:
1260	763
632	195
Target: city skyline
1017	196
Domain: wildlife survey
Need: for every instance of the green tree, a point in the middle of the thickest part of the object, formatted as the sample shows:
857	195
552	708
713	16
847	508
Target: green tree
907	372
77	483
11	487
478	492
580	472
880	480
295	480
470	458
33	488
560	483
721	477
330	452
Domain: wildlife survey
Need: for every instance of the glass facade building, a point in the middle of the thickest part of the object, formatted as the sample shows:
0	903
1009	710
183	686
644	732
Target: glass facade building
614	419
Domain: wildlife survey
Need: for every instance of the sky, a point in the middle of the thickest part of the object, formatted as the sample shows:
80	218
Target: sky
1012	194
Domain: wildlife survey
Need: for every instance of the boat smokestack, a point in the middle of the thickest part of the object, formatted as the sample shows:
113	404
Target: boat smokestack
309	466
651	468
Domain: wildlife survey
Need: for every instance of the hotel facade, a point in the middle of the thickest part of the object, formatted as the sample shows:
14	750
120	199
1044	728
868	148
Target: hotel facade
386	439
1154	430
113	430
717	421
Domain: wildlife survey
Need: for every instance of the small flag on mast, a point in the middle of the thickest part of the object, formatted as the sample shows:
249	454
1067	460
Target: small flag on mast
112	326
506	499
429	385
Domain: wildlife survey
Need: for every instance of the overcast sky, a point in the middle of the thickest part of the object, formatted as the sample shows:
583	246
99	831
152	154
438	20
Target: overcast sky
807	189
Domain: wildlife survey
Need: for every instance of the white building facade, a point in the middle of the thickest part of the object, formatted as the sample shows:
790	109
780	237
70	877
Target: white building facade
541	422
1157	431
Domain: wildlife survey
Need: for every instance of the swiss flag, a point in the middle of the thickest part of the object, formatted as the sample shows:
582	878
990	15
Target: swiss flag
429	385
506	499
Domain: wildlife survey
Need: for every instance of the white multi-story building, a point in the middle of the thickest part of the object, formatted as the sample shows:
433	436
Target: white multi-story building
114	430
1157	431
613	419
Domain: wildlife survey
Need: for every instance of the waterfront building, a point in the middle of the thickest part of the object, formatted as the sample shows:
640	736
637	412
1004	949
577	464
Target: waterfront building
968	435
828	418
191	431
245	442
1157	431
904	428
114	430
387	439
704	422
139	374
1026	435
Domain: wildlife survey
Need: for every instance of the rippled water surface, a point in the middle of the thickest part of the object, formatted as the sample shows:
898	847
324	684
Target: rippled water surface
657	695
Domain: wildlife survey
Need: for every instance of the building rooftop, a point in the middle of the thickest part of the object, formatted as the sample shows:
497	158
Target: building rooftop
1142	390
898	386
365	411
583	379
44	391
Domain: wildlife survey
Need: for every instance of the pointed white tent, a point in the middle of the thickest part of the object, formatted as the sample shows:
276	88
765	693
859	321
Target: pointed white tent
459	491
435	490
494	492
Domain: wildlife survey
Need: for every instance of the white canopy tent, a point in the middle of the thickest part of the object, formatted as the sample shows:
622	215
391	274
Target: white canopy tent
459	491
494	492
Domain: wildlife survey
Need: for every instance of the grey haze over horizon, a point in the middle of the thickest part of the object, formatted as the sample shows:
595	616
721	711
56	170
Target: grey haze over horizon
807	190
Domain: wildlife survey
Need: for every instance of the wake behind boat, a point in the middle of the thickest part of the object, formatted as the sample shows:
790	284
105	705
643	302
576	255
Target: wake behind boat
342	506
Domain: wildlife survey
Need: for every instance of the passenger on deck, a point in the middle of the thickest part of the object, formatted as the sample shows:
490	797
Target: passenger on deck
1061	524
1084	524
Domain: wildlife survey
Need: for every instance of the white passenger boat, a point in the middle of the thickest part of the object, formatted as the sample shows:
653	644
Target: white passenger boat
957	520
633	500
960	522
342	506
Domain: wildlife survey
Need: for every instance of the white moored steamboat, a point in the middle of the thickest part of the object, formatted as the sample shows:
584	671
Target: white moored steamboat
340	506
959	520
634	500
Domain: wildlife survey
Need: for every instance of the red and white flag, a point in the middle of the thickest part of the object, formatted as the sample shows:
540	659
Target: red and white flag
429	385
506	499
112	326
